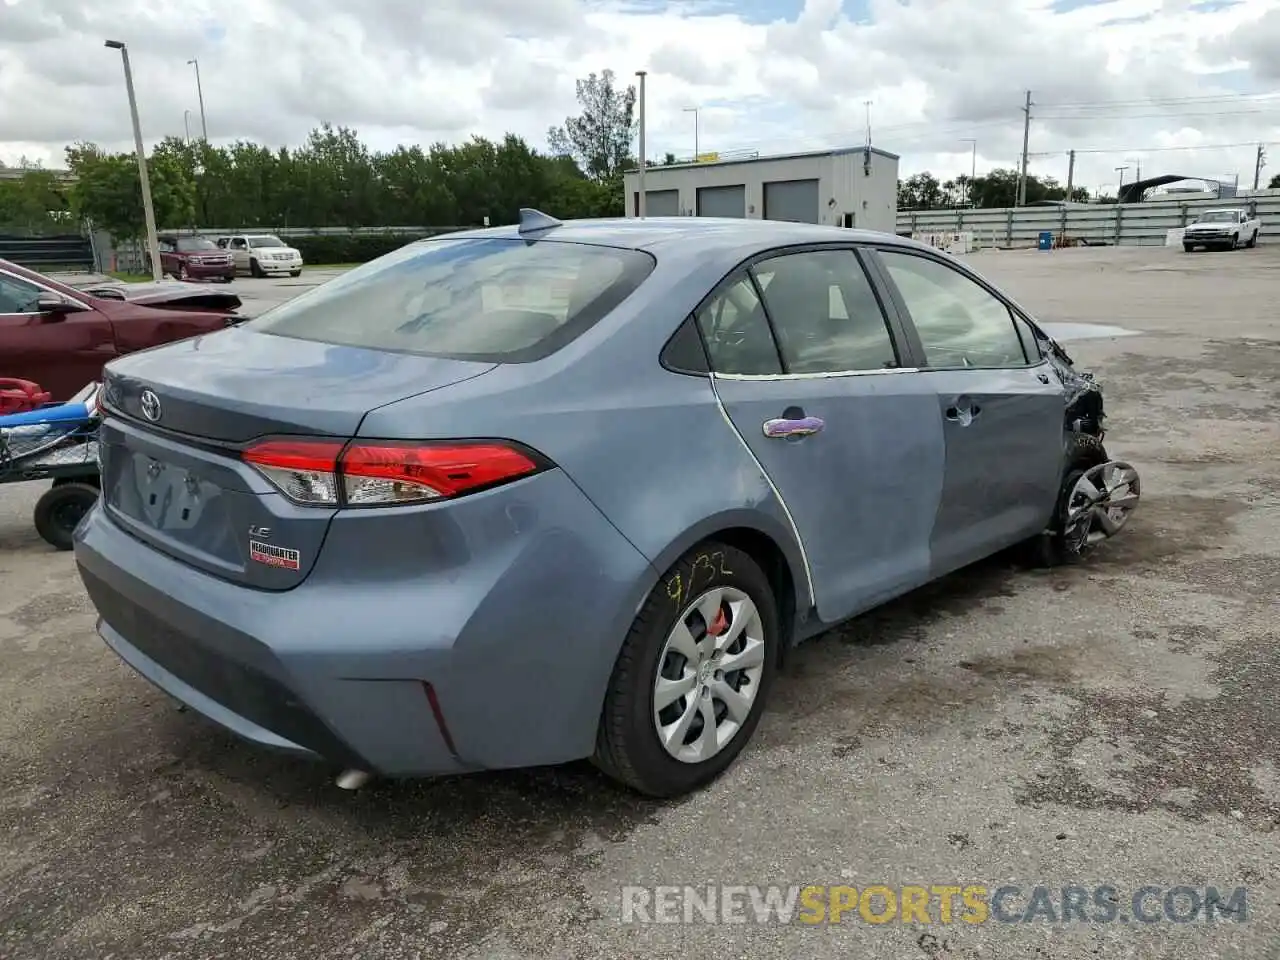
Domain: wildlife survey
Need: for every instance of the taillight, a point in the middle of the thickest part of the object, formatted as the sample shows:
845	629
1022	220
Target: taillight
386	472
305	471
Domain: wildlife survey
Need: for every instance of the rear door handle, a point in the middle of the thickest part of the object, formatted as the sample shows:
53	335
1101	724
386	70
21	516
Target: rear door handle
782	429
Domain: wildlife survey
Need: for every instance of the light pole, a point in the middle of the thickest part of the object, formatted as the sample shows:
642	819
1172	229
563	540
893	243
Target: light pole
973	165
148	210
186	125
694	111
204	129
640	204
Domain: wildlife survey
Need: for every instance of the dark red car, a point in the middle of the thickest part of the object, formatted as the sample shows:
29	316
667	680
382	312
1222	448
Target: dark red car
195	258
60	336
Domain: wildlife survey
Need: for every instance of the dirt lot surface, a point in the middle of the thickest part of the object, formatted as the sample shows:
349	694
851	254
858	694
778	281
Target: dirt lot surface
1108	725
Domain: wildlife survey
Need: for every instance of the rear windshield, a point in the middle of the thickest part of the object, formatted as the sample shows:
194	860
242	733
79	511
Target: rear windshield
492	299
188	244
1218	216
265	242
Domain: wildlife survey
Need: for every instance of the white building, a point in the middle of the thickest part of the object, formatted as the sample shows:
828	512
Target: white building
850	187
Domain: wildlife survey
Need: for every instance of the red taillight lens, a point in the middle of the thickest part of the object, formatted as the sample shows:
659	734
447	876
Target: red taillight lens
377	473
383	473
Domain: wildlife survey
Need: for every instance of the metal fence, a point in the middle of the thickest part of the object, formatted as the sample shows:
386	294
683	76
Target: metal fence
130	256
45	253
1130	224
283	232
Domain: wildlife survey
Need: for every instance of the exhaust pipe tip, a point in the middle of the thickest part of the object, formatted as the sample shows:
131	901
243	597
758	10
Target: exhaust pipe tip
353	779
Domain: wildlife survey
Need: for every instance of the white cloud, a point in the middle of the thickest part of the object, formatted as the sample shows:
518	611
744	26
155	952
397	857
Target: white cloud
1116	76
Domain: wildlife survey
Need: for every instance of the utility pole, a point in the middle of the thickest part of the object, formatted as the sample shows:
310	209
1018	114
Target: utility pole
148	208
1071	173
973	166
1257	167
204	127
696	152
1026	136
640	204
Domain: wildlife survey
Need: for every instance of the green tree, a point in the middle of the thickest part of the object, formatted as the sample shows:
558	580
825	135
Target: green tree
600	137
34	203
1275	183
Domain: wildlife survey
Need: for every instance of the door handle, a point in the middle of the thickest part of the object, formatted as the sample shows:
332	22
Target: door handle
1042	377
783	429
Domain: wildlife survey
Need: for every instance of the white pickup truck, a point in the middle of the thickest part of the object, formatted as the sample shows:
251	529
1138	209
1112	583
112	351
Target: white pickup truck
1227	228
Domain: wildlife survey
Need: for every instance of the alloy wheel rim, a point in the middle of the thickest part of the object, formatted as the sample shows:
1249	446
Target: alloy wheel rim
709	674
1101	502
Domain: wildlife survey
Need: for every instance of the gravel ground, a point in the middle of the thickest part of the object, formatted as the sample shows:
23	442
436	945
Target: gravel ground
1109	725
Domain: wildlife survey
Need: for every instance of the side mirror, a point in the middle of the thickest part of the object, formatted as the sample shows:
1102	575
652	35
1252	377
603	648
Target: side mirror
55	305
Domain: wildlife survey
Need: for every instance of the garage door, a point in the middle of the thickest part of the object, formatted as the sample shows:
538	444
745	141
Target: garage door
722	201
658	203
795	200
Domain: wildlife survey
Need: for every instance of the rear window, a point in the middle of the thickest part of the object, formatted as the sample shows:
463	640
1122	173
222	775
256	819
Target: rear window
490	299
191	244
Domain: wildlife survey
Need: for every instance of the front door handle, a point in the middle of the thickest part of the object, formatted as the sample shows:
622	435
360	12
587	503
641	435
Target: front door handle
783	429
1042	377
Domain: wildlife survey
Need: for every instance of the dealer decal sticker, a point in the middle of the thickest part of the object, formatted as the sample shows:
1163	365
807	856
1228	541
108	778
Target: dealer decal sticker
274	556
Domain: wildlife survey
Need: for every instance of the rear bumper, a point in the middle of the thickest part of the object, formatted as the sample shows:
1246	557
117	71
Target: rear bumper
393	663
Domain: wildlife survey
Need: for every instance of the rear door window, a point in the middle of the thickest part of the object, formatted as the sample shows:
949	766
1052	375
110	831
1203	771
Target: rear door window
736	332
825	313
490	299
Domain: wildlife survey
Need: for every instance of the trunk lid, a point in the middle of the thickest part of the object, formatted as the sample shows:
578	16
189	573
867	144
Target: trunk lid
179	416
169	294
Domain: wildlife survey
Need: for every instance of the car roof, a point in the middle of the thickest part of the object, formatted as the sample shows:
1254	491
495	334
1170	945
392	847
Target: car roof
690	234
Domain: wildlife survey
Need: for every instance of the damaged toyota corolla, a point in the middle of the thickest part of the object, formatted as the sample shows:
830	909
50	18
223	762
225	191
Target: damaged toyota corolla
530	494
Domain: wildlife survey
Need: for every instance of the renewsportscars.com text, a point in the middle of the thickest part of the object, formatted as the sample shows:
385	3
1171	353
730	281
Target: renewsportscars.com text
945	903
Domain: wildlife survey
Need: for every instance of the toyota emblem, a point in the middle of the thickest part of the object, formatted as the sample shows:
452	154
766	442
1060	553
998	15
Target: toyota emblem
150	406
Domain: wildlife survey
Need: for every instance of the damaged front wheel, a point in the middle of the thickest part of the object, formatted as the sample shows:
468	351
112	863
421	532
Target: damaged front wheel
1097	497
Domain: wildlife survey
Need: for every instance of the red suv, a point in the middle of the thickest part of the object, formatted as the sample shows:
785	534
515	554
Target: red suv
195	258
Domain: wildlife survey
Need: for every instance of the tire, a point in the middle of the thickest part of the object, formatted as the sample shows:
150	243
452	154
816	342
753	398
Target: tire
254	269
1252	241
295	273
1187	247
628	747
183	273
1235	241
60	510
1050	548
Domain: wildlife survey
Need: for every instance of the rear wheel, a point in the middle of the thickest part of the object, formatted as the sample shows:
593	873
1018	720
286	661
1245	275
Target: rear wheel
691	680
60	509
1064	541
183	274
255	269
1253	240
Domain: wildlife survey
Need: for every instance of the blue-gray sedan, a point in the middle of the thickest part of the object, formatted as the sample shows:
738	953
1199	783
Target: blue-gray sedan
531	494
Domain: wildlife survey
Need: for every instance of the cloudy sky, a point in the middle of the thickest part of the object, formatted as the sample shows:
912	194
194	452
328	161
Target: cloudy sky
1122	81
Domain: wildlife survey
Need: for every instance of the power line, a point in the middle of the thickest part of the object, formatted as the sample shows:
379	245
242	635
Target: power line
1164	116
1172	101
1199	146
